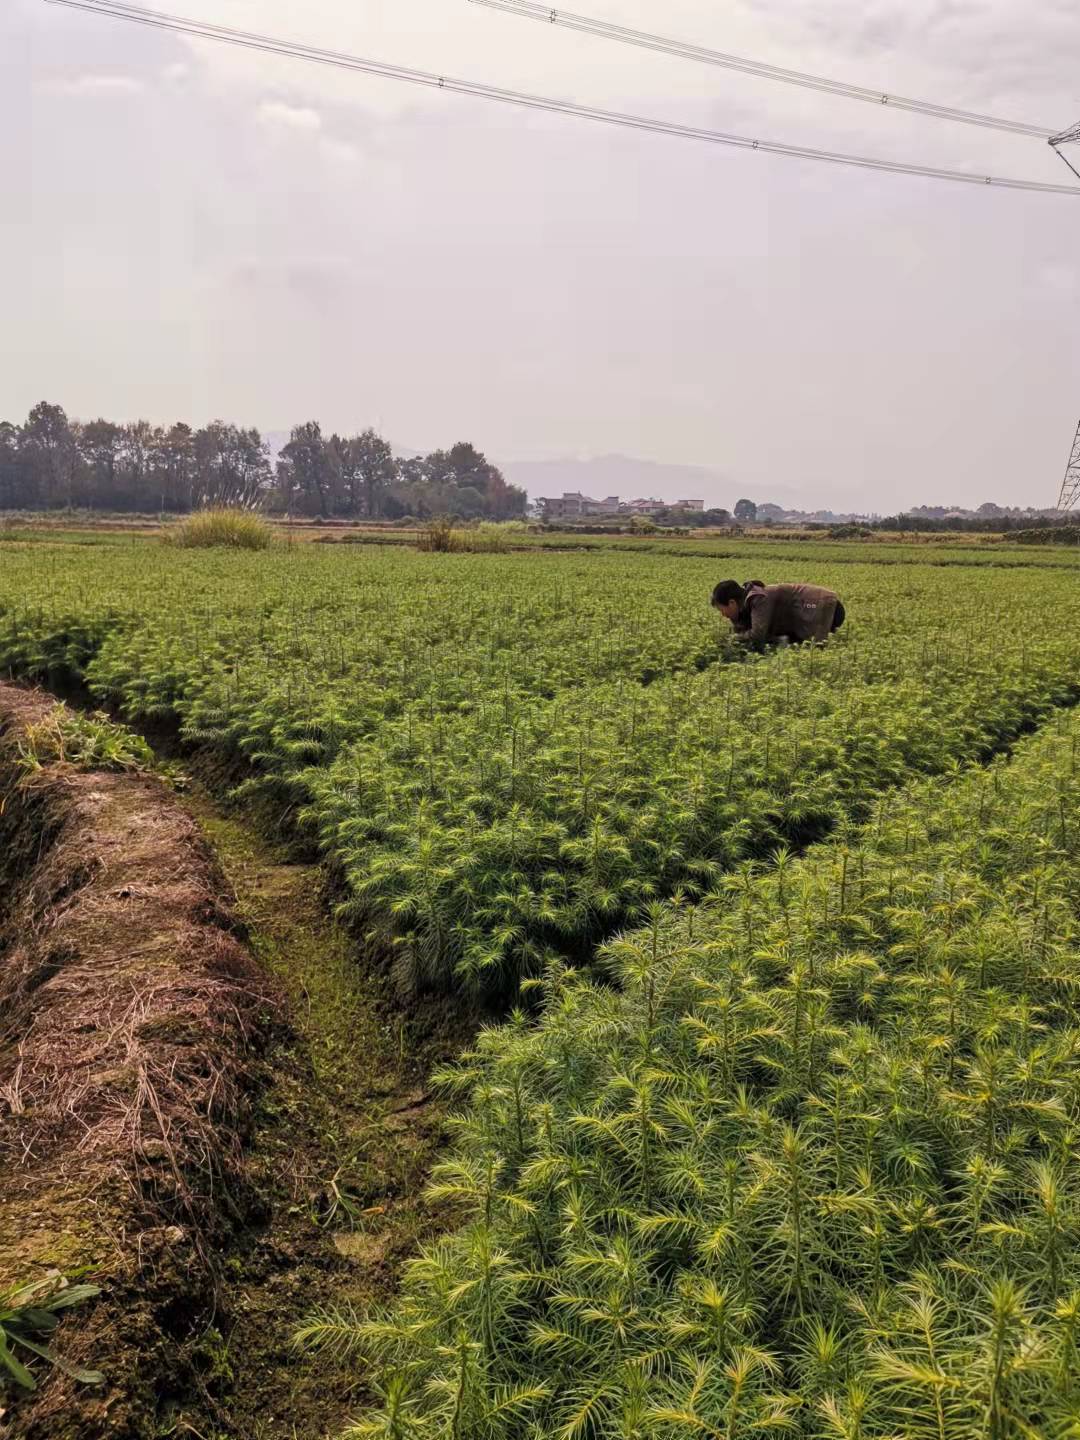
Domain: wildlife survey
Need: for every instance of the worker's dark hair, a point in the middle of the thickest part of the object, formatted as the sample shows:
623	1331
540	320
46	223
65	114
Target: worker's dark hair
728	590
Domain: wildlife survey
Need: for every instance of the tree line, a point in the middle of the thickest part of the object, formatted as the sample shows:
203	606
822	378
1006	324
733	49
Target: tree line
52	462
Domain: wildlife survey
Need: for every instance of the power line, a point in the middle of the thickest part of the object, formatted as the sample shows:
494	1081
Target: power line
529	10
340	60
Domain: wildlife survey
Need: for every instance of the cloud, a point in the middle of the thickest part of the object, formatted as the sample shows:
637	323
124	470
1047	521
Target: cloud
292	117
539	336
103	85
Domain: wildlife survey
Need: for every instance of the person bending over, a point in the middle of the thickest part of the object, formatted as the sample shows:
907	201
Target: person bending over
767	614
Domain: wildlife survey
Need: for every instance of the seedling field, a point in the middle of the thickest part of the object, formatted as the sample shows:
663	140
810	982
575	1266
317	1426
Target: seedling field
779	1136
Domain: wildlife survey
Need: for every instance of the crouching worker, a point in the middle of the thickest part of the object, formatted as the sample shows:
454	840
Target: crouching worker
769	614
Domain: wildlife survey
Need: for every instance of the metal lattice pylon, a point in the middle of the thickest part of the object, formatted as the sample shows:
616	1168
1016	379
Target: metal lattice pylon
1067	137
1070	486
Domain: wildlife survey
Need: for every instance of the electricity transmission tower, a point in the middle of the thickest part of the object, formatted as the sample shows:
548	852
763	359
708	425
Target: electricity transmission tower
1067	137
1070	486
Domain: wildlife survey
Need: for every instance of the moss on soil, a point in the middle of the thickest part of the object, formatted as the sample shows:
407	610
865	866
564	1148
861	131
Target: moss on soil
343	1141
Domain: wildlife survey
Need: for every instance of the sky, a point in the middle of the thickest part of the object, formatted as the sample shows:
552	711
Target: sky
190	231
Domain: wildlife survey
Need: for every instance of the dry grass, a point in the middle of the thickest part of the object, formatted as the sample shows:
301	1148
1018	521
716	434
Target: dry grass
488	537
223	528
132	1022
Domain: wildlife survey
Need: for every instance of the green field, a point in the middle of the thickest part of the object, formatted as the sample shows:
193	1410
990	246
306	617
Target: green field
780	1136
805	1163
508	757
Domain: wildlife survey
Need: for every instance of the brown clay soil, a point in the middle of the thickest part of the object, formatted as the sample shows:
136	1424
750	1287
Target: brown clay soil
211	1106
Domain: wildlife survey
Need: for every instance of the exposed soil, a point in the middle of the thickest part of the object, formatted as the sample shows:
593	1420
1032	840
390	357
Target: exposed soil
132	1018
209	1103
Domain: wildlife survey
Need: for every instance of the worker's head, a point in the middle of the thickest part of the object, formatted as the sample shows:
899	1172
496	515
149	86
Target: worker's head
728	598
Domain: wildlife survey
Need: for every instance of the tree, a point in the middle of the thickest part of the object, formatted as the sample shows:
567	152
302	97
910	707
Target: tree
47	446
136	450
245	471
367	467
412	494
51	461
232	466
463	466
505	501
305	471
99	447
745	511
15	489
467	502
174	467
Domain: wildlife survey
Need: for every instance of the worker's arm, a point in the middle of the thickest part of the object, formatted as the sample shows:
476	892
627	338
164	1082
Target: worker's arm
761	615
824	619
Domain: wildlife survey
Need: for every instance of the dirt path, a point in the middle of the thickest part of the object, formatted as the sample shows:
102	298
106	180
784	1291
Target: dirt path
342	1145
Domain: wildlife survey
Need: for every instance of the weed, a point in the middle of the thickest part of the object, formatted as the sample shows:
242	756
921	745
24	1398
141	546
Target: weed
28	1316
81	742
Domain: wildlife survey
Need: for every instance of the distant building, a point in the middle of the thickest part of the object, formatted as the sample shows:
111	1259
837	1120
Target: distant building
572	505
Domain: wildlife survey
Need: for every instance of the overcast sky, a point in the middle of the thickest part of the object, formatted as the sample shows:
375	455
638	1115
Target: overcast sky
189	231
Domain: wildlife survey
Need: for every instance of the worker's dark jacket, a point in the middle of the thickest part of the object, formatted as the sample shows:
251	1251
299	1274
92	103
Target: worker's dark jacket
793	612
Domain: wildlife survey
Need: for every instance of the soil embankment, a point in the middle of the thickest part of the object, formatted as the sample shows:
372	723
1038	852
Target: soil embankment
131	1017
211	1105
